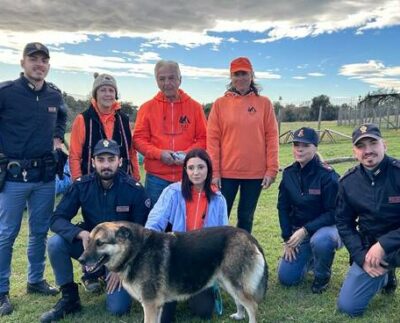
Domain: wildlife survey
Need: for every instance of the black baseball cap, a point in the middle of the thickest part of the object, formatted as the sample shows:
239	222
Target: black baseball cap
366	130
105	146
32	48
306	135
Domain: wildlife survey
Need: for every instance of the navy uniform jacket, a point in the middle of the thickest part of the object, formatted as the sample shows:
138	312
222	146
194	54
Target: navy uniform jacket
29	120
307	197
368	209
125	200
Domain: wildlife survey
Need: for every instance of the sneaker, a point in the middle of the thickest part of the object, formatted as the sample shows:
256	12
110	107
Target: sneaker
5	305
391	284
319	285
92	285
41	288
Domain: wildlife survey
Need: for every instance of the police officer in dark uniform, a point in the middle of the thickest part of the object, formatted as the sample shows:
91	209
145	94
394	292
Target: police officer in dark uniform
368	220
306	206
32	124
108	194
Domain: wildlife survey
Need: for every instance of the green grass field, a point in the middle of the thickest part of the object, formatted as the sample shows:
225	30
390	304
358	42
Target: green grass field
281	304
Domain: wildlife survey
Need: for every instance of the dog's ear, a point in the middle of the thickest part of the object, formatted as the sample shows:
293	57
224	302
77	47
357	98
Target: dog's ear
123	233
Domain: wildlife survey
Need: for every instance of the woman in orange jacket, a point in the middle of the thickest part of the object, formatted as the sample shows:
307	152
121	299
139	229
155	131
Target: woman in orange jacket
102	120
243	142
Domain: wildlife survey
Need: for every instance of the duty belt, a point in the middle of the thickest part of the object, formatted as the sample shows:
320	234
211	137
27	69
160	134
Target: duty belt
21	166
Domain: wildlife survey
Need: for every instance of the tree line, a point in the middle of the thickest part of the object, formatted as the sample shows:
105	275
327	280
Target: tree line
287	113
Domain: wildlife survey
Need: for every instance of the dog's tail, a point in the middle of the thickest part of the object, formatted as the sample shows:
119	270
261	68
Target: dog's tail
262	268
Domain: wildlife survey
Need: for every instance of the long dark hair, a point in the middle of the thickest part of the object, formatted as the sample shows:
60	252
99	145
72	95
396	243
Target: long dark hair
254	87
187	184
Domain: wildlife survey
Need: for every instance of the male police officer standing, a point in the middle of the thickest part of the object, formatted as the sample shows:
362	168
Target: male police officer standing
368	220
108	194
32	124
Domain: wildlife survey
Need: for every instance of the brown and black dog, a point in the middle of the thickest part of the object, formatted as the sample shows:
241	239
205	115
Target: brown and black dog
156	268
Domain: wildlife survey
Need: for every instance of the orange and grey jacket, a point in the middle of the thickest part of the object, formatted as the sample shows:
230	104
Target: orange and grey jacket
164	125
91	126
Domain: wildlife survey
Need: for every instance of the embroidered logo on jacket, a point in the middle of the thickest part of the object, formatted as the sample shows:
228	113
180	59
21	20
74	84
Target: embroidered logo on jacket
52	109
184	121
251	110
314	191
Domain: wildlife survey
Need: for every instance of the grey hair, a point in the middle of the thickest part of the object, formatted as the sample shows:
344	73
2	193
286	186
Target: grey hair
163	63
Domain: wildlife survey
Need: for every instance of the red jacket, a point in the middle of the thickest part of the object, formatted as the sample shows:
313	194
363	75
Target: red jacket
163	125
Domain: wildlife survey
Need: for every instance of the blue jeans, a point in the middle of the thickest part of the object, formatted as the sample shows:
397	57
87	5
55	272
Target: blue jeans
250	190
318	250
15	196
154	186
60	254
358	289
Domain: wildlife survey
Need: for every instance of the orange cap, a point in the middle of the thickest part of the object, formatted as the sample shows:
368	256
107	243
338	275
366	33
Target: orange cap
241	64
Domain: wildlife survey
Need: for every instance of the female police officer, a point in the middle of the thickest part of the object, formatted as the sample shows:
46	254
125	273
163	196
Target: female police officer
306	206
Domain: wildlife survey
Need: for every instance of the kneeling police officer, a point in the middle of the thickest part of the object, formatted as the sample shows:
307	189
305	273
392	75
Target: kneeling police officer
108	194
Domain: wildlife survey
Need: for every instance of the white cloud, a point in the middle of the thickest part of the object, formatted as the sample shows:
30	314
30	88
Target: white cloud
316	74
299	77
190	23
232	40
374	73
119	66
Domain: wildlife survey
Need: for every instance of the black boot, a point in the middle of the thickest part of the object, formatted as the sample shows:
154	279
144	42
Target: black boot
392	282
69	303
319	285
5	305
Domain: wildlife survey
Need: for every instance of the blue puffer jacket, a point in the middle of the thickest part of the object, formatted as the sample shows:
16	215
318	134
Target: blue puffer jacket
171	208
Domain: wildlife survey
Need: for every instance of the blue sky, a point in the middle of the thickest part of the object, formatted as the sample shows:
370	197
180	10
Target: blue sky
299	49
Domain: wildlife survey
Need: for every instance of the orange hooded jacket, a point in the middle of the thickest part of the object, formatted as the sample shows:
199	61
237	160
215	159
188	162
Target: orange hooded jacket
164	125
78	135
242	137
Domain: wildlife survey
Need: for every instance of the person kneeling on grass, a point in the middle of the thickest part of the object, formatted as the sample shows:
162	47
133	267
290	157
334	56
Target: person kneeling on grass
189	205
368	220
306	206
108	194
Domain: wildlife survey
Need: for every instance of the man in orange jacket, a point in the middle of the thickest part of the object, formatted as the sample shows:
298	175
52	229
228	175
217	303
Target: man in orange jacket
167	127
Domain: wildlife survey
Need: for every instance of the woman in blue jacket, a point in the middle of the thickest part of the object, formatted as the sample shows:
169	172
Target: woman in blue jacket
189	205
306	207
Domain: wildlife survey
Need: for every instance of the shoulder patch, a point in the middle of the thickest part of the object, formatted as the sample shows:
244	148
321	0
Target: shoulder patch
5	84
326	166
348	172
289	166
84	179
131	182
53	86
396	163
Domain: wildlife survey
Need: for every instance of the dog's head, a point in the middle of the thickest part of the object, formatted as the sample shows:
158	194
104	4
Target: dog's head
110	244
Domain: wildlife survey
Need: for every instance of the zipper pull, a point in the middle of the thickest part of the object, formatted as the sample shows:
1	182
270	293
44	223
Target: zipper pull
37	98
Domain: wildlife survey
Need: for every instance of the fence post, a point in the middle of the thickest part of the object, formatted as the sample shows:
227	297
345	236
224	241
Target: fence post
319	117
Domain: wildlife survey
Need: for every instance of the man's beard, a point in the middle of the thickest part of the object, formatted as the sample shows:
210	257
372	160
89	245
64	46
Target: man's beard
106	174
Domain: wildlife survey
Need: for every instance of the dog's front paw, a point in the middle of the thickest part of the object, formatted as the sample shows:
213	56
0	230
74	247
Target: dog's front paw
237	316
